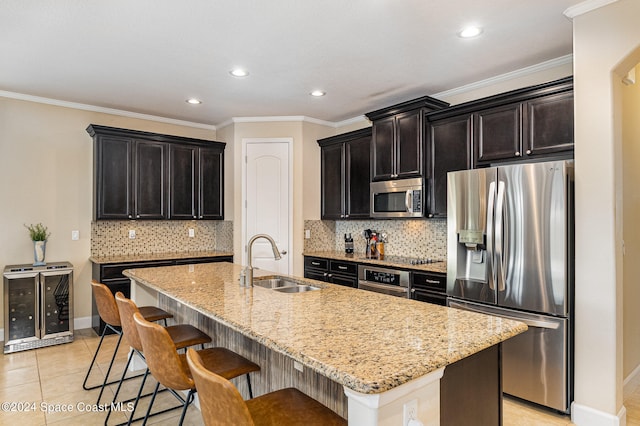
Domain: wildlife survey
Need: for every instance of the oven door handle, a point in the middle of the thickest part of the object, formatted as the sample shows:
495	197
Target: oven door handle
366	285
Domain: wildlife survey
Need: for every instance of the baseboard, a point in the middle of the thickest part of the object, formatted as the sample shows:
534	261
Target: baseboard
586	416
78	324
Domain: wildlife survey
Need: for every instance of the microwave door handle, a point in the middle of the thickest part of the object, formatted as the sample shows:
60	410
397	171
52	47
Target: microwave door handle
490	252
408	201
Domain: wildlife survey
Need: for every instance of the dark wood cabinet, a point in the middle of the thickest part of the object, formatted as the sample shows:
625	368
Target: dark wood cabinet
498	133
142	175
398	139
331	271
195	182
345	175
448	150
548	124
130	178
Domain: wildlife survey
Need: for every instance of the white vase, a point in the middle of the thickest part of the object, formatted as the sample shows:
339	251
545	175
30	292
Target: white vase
39	248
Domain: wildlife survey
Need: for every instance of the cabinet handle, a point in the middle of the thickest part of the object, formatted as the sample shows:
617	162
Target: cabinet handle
528	151
344	268
130	216
315	263
137	215
517	153
431	281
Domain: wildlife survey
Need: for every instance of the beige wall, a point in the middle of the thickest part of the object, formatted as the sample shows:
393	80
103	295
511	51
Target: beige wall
603	38
631	225
46	167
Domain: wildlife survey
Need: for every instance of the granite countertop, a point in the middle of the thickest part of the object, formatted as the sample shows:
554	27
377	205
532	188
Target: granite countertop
440	267
366	341
146	257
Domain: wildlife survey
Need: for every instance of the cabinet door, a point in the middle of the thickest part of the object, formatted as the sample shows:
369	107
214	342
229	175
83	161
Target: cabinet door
383	148
549	124
182	182
150	180
113	178
211	184
498	133
357	178
332	188
409	144
449	149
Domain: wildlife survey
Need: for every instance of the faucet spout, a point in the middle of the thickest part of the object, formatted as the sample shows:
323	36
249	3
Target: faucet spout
248	269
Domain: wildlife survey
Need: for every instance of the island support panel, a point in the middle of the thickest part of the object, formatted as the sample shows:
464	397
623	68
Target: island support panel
277	370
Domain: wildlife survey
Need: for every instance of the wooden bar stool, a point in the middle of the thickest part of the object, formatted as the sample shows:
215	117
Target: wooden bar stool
108	311
182	335
170	368
221	403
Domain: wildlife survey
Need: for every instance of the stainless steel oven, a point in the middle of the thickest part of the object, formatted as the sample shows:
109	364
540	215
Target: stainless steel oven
384	280
402	198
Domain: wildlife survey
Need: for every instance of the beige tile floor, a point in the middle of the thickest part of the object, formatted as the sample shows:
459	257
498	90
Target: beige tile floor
46	384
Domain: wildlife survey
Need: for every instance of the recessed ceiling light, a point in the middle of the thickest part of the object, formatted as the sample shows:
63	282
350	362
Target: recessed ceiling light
239	72
193	101
470	32
317	93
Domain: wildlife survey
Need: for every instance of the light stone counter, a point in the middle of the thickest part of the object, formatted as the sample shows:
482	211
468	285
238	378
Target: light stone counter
368	342
146	257
387	261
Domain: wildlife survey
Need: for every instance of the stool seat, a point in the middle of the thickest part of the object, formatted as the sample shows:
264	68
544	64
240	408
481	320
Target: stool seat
153	313
184	335
223	362
290	407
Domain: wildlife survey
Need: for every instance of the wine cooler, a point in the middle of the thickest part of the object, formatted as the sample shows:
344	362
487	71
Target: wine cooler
38	306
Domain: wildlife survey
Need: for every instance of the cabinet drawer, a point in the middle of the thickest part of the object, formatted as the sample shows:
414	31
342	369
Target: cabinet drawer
345	268
429	281
115	271
316	263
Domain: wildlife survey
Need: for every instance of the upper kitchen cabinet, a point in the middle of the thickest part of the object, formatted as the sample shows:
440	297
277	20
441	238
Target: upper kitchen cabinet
196	182
345	175
448	150
398	139
535	122
135	173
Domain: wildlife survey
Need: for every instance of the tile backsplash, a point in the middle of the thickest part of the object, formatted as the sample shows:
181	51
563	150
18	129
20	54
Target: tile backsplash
110	238
411	238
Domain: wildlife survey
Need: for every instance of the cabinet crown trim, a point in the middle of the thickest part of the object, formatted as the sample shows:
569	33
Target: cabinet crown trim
423	102
345	137
94	129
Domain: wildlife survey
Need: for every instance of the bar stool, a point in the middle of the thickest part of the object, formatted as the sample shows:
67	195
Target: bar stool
170	368
183	335
108	311
221	403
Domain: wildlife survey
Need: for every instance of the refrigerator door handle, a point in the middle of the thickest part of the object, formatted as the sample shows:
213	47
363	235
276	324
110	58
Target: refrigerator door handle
490	252
499	225
529	321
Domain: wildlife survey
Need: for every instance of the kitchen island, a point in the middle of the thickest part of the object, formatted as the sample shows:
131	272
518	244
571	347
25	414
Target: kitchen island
364	355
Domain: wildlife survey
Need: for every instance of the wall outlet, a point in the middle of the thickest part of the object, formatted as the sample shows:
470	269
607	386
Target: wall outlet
307	233
410	411
192	232
132	233
75	235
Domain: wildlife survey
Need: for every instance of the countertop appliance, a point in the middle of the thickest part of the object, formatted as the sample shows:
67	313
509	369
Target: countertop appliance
403	198
38	305
394	282
510	254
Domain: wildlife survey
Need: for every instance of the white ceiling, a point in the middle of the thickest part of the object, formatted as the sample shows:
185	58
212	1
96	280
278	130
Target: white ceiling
148	56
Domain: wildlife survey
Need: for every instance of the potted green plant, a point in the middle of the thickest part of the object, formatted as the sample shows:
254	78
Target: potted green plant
39	235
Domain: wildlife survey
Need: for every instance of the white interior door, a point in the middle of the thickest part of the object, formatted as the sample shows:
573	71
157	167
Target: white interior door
268	201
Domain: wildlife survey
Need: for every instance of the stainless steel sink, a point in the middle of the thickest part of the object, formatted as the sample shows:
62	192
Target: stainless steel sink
283	285
296	289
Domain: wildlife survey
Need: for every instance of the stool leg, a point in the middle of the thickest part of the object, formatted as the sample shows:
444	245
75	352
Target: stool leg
115	396
249	385
93	361
187	401
153	398
106	377
135	404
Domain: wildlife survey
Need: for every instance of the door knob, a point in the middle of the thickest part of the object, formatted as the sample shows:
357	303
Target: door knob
283	252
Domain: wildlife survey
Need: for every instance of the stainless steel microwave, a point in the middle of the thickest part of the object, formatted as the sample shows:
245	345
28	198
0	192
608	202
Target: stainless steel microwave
402	198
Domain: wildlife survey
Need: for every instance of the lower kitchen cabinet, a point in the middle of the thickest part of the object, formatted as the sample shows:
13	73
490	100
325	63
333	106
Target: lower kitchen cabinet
331	271
429	287
111	275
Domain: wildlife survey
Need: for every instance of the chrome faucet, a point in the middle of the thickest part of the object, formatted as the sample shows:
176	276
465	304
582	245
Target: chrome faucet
246	276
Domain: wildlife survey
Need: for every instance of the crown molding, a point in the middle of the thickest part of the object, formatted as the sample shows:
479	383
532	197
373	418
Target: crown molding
585	7
112	111
563	60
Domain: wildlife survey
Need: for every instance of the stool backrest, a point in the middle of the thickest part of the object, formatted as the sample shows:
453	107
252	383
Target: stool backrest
220	402
161	355
106	304
126	308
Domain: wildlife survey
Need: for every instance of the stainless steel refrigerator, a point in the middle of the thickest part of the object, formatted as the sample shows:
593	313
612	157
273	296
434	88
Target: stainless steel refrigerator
510	254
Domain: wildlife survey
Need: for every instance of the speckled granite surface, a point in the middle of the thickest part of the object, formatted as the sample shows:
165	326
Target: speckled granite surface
360	258
157	256
366	341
